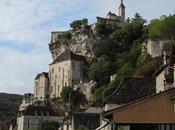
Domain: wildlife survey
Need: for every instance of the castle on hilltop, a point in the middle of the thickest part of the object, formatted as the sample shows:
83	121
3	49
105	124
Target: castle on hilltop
67	68
112	18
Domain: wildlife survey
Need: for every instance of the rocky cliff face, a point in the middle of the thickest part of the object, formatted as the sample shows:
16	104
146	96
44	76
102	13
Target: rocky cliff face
79	42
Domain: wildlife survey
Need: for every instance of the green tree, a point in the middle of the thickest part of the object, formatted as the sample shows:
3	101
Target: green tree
101	71
82	127
102	28
164	28
77	24
148	68
129	32
49	125
66	91
74	98
77	99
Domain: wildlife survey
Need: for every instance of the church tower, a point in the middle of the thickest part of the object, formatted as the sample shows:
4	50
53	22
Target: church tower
121	10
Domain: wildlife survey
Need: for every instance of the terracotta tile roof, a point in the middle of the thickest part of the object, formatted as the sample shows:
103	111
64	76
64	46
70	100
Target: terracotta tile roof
68	55
132	89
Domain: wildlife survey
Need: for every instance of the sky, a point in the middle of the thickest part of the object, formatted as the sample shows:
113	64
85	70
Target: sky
26	25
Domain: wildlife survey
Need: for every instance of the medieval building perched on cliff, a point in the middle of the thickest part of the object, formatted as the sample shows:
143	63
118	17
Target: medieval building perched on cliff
148	90
112	19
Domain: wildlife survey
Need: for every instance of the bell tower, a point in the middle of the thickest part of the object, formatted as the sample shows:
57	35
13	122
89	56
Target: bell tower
121	10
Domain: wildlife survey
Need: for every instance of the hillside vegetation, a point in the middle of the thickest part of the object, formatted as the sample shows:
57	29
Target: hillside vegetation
120	53
9	104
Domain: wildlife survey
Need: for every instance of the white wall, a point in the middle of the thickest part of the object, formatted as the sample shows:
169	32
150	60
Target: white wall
65	73
160	82
41	88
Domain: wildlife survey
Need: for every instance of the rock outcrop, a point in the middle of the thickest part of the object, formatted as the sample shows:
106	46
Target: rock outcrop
78	41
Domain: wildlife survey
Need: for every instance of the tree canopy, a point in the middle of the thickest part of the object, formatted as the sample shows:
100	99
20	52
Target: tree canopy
82	127
73	97
49	125
77	24
163	27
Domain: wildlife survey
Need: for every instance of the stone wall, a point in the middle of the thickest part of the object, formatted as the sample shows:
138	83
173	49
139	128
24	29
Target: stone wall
32	122
155	47
79	43
41	88
65	73
85	88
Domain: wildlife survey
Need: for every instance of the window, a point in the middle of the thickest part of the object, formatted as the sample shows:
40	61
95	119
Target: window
58	88
73	65
59	69
51	88
52	70
65	83
36	114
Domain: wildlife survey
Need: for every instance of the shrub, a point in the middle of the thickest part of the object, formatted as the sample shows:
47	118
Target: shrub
82	127
148	68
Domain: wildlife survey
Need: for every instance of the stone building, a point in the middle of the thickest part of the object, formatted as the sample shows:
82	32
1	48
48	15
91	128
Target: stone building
165	75
121	10
41	86
26	101
164	78
32	116
66	70
112	19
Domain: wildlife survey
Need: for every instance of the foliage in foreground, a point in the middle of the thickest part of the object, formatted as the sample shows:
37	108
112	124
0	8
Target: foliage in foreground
49	125
82	127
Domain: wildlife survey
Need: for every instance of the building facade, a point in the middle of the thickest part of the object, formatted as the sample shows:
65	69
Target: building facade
66	70
41	86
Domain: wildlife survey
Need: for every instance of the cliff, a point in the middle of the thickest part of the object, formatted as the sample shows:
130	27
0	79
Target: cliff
78	41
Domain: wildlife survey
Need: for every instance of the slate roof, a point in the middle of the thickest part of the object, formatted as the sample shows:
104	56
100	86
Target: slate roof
68	55
132	89
159	70
44	73
110	13
45	110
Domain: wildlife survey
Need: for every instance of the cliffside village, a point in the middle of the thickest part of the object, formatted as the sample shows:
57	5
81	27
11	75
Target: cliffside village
136	103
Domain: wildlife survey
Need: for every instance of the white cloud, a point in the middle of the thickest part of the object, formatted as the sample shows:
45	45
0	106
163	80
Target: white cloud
18	69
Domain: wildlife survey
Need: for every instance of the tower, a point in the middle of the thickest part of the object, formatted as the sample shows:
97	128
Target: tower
121	10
